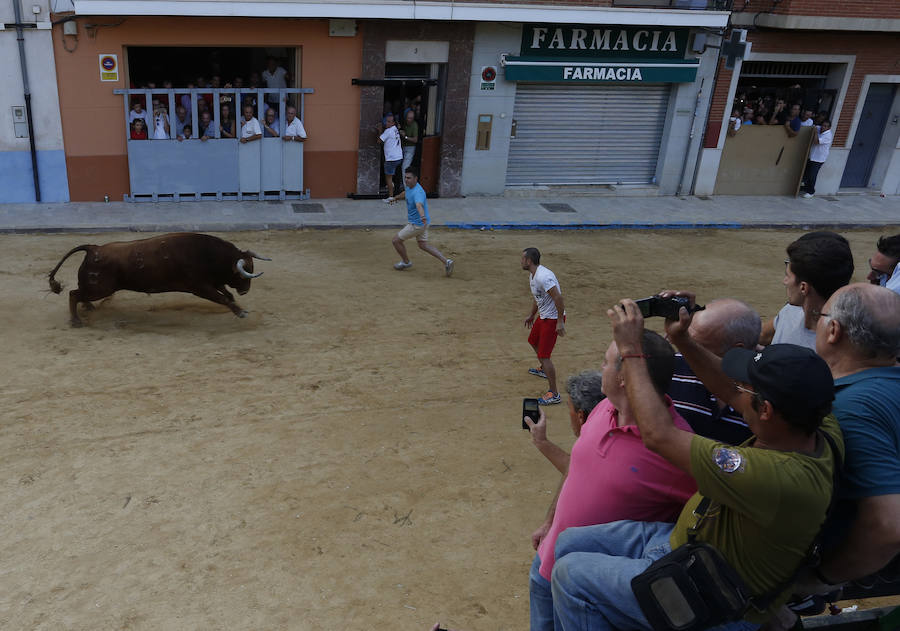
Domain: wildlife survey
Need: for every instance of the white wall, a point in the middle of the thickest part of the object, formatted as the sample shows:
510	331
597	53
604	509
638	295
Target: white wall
484	172
41	77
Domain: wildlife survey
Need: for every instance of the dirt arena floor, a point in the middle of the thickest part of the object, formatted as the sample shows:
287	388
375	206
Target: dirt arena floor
347	457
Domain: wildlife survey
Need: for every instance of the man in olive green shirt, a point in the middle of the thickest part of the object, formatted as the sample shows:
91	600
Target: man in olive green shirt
409	137
768	496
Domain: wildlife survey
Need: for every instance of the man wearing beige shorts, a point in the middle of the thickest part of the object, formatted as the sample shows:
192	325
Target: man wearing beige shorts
418	218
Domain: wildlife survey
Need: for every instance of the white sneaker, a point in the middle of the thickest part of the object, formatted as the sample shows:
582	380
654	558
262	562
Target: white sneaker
807	195
402	266
448	267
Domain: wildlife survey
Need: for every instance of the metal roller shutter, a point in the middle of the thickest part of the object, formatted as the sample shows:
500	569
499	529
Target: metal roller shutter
586	134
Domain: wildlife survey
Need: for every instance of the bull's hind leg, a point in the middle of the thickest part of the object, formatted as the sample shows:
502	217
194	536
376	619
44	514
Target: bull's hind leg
221	297
74	299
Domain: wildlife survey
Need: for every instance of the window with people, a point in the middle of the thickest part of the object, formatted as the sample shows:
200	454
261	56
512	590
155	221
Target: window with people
227	111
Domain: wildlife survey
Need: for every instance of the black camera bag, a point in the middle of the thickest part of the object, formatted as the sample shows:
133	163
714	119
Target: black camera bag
694	587
691	588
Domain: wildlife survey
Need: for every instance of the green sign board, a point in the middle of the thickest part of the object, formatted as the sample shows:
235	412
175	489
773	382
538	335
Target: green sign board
599	71
586	41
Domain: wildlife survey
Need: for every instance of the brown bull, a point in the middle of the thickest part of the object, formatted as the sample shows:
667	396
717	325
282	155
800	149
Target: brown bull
198	264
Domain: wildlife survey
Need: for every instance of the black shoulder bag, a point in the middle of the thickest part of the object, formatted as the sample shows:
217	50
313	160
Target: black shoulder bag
693	587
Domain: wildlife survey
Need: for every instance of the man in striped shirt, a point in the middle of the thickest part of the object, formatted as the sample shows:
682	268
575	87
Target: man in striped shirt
726	323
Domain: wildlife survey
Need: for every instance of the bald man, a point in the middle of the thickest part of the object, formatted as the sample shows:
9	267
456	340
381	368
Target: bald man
726	323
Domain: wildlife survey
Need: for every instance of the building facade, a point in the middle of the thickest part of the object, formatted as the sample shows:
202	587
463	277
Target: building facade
837	59
32	161
627	88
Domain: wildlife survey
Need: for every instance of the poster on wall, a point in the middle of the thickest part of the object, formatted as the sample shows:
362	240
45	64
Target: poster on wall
109	68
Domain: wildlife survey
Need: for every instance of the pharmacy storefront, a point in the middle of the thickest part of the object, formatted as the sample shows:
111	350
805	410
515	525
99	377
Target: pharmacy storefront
600	105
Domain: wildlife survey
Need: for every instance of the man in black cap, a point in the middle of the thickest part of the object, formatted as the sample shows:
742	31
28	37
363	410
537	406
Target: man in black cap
768	496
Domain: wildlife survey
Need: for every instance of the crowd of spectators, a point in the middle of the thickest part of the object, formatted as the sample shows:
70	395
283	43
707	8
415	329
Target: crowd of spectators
767	423
231	122
767	111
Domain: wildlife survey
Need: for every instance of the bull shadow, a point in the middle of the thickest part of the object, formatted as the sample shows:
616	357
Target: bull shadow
170	313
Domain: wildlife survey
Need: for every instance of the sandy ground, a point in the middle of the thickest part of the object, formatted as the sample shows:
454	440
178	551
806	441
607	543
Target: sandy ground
347	457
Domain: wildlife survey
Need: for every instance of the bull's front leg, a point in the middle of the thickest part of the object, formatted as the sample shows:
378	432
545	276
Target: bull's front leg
221	297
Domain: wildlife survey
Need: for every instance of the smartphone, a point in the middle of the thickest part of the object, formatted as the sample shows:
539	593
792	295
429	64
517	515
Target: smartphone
531	409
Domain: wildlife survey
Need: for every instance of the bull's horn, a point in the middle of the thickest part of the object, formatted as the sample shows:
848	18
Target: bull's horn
245	273
257	256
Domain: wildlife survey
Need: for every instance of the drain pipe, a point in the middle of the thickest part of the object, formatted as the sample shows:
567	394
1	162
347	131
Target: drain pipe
21	37
690	148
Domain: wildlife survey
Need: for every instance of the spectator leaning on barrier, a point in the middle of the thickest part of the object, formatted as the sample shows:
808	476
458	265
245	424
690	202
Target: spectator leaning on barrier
250	128
818	153
818	263
724	324
884	265
637	484
294	130
858	335
270	124
769	496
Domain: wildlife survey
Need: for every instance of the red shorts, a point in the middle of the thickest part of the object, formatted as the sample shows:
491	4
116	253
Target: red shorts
543	336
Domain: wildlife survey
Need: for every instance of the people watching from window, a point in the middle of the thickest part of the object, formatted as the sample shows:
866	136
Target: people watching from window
160	122
250	127
138	111
735	122
275	77
270	124
186	132
207	127
227	122
138	129
294	130
181	119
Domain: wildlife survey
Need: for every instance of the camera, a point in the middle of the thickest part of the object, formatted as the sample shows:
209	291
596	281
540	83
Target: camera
531	409
665	307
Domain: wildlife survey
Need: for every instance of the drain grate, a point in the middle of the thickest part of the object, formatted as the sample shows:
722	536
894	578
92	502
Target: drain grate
830	199
705	198
308	208
558	208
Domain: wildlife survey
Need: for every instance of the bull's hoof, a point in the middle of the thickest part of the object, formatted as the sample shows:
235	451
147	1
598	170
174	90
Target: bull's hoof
242	314
77	324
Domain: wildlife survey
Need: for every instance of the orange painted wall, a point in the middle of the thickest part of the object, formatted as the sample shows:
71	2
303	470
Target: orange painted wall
93	118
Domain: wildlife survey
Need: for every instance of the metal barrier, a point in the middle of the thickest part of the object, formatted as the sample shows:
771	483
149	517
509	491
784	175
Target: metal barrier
218	168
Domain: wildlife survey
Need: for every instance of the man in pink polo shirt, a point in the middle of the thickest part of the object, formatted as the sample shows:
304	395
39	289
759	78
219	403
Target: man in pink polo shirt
611	475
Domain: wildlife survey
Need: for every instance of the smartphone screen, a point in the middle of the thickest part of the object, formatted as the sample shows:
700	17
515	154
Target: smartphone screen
530	409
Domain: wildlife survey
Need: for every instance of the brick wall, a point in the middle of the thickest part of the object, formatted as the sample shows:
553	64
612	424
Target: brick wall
831	8
876	53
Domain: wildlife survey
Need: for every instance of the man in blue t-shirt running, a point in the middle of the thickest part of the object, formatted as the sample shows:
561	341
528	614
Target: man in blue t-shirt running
417	226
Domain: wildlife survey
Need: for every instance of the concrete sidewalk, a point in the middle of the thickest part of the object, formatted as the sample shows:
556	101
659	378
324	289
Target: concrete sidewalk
594	212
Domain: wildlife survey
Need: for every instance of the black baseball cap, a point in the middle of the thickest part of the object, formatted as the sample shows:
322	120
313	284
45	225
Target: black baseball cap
793	378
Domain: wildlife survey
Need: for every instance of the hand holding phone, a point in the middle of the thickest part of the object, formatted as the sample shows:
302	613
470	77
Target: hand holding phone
531	409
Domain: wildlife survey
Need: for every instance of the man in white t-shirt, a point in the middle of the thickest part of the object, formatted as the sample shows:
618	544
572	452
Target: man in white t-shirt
817	155
275	77
393	153
818	264
293	130
550	323
250	127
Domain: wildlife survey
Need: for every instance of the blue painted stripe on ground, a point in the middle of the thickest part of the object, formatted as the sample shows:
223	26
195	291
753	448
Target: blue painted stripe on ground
804	225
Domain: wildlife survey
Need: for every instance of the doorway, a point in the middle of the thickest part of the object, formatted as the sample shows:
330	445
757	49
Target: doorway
868	136
418	88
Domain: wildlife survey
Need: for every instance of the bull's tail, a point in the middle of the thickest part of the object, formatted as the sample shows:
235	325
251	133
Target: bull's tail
55	285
